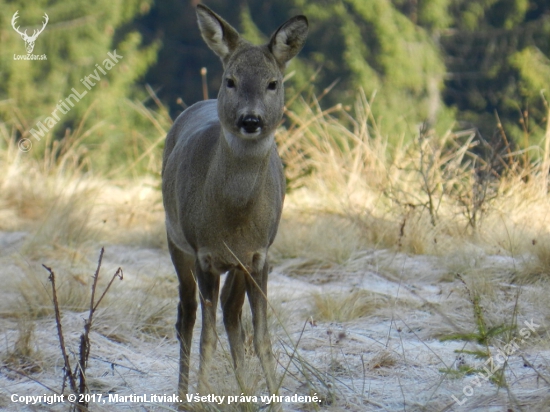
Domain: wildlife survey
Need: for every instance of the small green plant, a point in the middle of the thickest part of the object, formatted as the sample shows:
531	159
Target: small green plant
485	336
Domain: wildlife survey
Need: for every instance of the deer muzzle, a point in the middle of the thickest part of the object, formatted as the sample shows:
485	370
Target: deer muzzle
250	123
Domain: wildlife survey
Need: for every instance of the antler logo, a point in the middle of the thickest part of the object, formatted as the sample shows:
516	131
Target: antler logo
29	40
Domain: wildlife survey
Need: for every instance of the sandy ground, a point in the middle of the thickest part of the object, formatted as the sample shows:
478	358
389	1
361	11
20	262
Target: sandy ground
390	360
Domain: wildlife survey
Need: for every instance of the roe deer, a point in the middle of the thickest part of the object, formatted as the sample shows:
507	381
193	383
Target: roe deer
223	189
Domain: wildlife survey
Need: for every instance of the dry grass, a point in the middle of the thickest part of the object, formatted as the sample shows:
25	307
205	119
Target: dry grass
130	212
383	359
320	237
33	299
351	192
148	307
346	306
24	356
537	267
54	193
351	189
430	194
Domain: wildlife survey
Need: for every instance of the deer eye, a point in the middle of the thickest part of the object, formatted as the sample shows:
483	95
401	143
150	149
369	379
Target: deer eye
272	85
230	83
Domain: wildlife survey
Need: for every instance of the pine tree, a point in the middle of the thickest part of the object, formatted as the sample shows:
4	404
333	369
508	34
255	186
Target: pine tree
77	41
498	62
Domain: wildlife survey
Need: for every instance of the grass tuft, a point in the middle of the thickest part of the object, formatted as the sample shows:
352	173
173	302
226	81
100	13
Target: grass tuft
346	306
23	356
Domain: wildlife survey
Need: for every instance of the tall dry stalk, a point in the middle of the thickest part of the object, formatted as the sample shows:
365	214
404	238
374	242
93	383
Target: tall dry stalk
546	152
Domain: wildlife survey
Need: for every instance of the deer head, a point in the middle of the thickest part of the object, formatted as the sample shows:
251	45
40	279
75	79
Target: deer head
29	40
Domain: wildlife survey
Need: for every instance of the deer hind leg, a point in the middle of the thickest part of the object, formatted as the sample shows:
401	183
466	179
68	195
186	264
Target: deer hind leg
187	309
232	300
256	288
209	285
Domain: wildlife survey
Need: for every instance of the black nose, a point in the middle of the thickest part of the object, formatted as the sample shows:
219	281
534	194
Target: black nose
250	123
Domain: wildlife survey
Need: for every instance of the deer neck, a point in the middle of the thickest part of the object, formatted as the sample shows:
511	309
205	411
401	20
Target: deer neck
239	169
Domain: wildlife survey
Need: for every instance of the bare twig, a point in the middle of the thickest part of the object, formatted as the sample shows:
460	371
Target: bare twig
85	337
529	364
67	366
426	171
119	365
204	84
84	350
19	372
118	274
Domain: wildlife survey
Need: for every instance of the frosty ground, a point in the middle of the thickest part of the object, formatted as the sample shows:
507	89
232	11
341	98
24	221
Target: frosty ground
389	358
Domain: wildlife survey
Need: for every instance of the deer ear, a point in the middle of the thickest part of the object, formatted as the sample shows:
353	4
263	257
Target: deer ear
289	39
217	33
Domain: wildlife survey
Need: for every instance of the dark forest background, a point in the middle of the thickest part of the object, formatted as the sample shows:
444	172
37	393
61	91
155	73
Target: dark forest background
452	63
